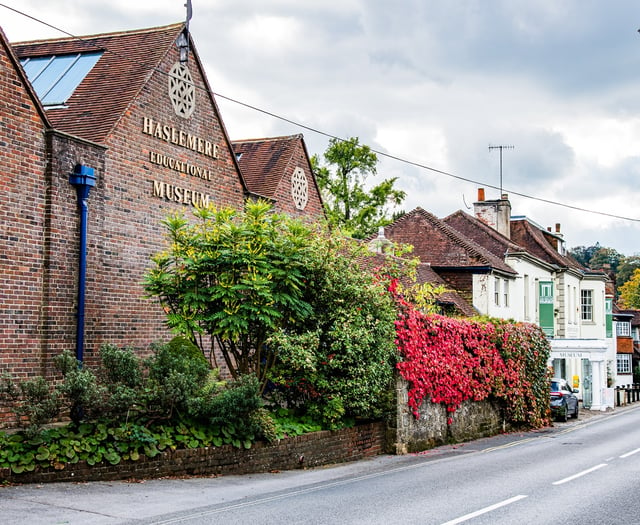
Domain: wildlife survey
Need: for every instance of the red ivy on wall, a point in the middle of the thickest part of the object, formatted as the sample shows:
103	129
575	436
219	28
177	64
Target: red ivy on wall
449	361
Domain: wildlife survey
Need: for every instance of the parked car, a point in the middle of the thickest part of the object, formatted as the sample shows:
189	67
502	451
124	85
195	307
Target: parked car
564	401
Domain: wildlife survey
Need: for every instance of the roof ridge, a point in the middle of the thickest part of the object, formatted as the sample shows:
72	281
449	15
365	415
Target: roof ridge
475	221
95	36
269	139
467	243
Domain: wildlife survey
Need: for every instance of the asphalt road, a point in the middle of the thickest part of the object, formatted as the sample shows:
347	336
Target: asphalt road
580	472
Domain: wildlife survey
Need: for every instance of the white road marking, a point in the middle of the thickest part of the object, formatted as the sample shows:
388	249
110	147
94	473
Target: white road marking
579	474
630	453
485	510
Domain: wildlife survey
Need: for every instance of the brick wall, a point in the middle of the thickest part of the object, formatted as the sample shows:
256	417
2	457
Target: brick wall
284	200
309	450
129	231
23	214
460	281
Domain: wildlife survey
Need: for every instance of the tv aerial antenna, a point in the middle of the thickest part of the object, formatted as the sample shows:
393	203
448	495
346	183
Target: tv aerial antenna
500	147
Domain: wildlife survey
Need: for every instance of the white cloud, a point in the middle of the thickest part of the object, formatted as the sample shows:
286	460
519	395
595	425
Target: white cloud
431	81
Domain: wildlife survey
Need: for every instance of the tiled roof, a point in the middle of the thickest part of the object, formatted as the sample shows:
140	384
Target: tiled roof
6	48
129	59
635	321
441	245
535	241
425	274
265	161
483	234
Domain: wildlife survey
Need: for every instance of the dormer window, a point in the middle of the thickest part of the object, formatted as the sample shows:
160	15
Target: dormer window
55	77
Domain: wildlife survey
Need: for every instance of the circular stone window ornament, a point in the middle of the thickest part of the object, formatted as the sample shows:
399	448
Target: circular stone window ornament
299	188
182	92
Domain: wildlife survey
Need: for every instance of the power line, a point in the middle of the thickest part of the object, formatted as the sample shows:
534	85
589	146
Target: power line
335	137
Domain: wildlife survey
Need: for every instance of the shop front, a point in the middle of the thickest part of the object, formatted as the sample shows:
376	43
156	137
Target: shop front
583	363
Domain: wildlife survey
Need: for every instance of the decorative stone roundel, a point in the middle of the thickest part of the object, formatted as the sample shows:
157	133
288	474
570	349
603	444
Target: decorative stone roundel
299	188
182	92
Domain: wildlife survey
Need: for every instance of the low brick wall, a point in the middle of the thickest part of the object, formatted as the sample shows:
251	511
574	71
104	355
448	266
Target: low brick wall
309	450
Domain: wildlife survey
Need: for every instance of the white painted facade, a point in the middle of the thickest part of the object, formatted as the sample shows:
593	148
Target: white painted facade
581	352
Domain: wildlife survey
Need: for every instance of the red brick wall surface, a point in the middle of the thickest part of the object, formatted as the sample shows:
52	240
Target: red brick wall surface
23	214
128	230
284	200
39	217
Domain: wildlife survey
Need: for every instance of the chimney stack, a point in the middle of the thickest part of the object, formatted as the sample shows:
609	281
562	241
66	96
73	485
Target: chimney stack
495	213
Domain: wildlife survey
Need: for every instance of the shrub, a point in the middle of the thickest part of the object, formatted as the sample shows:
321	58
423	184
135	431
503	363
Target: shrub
34	403
176	372
338	364
235	409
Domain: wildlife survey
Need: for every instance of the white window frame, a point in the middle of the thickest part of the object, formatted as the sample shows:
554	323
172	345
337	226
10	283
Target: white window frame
505	293
623	363
623	329
586	305
496	291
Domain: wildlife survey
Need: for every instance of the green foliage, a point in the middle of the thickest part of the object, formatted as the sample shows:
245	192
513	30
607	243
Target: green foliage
122	376
339	363
103	442
234	276
175	375
626	268
583	254
630	291
34	403
348	204
288	422
80	388
172	400
233	409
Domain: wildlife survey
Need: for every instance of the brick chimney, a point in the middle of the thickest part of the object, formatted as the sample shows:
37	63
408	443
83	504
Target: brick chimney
495	213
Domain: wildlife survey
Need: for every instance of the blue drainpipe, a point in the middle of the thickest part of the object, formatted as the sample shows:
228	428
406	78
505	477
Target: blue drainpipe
83	180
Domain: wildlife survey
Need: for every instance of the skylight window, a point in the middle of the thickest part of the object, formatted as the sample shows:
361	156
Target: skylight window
56	77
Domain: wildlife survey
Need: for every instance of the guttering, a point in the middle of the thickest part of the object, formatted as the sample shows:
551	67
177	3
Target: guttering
83	179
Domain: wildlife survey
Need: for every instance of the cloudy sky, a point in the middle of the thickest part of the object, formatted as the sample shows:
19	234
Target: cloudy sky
431	84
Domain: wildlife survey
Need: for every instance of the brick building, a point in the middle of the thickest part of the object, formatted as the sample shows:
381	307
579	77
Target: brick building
126	106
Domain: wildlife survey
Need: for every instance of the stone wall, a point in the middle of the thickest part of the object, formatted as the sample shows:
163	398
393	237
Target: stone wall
472	420
309	450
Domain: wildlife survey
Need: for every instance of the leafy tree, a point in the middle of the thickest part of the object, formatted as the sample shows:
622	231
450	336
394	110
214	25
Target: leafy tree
233	277
583	254
339	362
630	291
348	204
628	264
606	259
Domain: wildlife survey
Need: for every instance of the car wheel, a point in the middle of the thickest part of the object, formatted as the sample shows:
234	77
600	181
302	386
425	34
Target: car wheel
565	414
575	414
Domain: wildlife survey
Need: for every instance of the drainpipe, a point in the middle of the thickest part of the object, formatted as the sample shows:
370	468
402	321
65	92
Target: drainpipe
83	180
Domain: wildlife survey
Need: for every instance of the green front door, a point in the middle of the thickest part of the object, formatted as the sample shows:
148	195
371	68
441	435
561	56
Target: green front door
545	307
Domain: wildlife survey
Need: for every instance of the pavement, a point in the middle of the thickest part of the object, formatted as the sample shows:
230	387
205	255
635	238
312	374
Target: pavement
586	414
